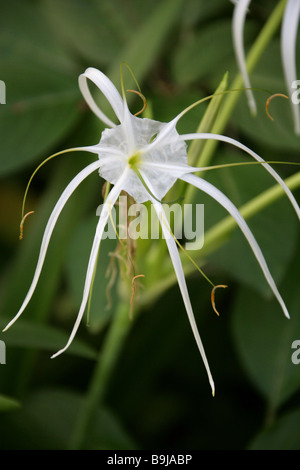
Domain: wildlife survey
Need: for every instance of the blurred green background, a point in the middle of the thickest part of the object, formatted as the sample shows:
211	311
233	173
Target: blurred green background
158	397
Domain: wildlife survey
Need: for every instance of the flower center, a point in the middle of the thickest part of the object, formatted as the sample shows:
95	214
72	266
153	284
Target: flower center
134	160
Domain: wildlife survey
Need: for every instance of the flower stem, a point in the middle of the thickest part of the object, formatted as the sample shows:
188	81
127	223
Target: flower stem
103	371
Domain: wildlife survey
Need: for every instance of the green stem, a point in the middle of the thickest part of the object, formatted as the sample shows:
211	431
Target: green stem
104	368
220	232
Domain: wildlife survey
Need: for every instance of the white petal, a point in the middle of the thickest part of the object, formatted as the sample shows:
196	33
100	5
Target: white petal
107	88
49	229
234	212
100	149
238	144
172	168
129	131
288	52
175	258
165	133
238	22
106	208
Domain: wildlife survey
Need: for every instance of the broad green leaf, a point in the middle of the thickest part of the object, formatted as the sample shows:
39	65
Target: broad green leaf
42	97
264	337
47	420
31	335
283	434
8	404
87	27
200	11
146	45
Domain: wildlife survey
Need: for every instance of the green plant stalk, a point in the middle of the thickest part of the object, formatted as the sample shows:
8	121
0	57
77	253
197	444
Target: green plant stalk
104	368
206	125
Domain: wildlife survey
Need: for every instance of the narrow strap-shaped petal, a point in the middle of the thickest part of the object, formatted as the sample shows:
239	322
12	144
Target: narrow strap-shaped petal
103	149
173	168
107	88
289	30
246	149
108	204
175	258
234	212
49	229
238	23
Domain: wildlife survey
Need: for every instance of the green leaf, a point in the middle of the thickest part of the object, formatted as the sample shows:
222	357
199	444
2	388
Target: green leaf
47	418
264	338
147	42
31	335
8	404
283	434
87	27
42	94
200	55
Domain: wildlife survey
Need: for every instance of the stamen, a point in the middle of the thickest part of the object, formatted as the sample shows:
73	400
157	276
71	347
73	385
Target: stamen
22	223
213	297
122	79
143	99
111	273
268	103
220	93
135	276
228	165
133	292
31	178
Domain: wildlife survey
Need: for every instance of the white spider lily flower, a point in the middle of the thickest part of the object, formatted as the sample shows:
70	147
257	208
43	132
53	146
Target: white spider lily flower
145	158
289	30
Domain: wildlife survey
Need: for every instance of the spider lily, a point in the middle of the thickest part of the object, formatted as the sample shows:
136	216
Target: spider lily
145	158
288	50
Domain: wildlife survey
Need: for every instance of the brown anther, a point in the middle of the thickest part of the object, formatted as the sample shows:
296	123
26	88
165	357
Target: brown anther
143	99
268	103
213	297
22	224
133	291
